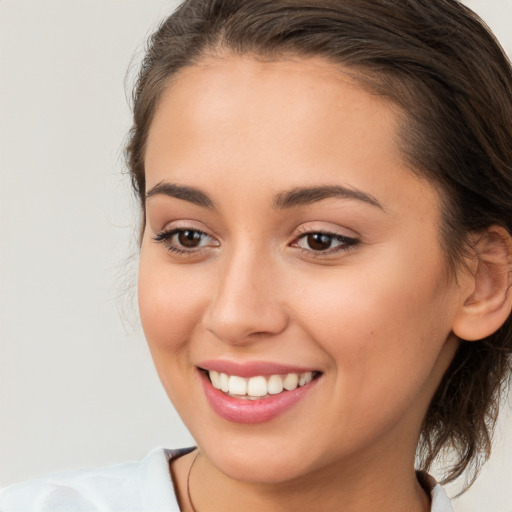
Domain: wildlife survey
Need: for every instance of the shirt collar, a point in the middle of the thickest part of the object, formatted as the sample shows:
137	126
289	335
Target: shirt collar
440	500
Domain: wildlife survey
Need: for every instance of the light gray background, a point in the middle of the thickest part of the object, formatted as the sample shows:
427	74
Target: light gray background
77	386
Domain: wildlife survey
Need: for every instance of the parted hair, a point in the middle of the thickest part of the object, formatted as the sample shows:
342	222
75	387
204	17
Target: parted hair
439	63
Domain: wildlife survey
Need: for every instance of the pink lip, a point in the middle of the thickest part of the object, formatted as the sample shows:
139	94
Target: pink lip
239	410
251	369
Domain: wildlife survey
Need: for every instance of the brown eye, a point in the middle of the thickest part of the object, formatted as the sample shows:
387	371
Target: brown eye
189	238
325	243
181	241
319	241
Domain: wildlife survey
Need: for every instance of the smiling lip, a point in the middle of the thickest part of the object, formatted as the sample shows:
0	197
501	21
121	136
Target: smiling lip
239	410
251	369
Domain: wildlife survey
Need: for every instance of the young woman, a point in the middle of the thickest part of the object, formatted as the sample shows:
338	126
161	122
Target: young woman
326	189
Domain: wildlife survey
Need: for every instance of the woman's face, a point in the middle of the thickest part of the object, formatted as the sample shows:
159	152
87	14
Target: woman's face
287	238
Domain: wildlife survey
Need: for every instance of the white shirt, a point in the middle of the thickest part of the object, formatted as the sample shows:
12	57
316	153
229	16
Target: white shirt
142	486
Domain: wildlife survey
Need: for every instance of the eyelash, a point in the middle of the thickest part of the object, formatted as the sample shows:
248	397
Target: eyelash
165	238
346	243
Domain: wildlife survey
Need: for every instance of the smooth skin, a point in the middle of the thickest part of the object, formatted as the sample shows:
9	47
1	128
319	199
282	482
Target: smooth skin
371	304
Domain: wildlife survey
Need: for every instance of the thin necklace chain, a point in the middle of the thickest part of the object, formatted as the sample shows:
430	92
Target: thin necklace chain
188	481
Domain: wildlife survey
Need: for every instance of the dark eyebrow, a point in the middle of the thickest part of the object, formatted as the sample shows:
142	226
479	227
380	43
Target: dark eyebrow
308	195
190	194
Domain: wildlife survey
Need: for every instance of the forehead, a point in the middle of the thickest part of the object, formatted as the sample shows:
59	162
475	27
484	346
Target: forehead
275	103
275	124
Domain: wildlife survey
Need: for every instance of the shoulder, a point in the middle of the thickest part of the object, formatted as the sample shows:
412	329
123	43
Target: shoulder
138	486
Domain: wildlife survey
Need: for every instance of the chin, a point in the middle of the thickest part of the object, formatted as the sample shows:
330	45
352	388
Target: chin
261	459
265	469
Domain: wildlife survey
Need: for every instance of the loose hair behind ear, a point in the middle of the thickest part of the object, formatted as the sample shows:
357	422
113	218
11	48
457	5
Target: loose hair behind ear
453	83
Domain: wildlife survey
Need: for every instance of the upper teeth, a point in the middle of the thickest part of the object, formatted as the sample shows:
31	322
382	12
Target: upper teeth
257	387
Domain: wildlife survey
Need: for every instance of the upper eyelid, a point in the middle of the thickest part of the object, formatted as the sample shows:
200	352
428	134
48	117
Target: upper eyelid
184	225
334	236
351	240
306	229
324	232
299	232
174	230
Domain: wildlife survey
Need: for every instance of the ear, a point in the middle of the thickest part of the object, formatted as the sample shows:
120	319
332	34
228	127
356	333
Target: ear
486	299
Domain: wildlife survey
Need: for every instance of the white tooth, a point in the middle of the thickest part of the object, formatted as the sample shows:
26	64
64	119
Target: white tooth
214	377
224	382
302	379
308	377
291	381
257	386
275	385
237	385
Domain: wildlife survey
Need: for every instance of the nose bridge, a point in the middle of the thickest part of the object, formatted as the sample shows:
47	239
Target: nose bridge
246	300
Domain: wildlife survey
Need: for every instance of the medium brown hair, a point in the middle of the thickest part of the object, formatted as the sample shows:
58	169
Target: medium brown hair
453	83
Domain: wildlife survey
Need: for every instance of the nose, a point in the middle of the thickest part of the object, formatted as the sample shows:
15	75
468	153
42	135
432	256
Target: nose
246	302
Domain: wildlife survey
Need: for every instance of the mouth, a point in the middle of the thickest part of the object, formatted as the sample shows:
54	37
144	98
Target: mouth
262	394
259	387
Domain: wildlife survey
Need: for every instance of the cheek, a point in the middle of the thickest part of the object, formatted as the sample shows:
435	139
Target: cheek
171	300
382	329
384	356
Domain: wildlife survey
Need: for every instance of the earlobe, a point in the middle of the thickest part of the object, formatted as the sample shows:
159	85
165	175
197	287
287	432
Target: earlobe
486	300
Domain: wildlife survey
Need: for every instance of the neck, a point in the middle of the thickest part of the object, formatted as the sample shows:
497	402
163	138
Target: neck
364	486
